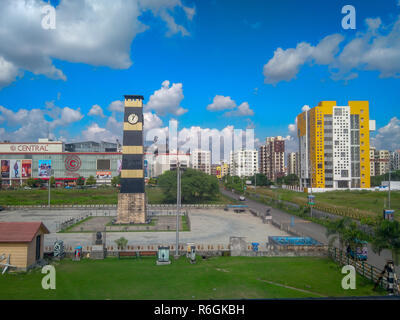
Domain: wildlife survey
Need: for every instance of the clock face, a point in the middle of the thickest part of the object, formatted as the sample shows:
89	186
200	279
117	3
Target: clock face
133	118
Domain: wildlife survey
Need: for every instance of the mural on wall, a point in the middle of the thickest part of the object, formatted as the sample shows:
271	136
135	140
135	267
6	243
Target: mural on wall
5	169
15	169
26	168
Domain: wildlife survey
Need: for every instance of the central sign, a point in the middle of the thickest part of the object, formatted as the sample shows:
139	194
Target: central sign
31	147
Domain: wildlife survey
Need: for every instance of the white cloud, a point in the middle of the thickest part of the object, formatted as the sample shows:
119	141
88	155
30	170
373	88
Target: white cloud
167	100
164	9
95	32
8	72
224	102
29	125
96	133
117	106
388	137
242	110
285	64
376	49
151	121
96	110
221	103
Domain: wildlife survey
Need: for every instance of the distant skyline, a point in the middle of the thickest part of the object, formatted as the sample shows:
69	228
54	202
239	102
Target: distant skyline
211	65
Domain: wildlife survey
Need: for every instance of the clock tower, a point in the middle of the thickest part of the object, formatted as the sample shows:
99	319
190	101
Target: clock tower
132	198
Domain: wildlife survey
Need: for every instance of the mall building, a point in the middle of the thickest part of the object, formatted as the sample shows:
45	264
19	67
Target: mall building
66	162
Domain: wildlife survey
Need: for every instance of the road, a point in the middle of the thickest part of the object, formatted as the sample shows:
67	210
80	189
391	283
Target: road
310	229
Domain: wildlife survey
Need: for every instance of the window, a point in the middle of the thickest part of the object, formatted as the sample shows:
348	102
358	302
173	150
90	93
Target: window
103	164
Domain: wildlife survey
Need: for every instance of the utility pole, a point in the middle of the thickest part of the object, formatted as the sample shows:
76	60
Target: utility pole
178	204
390	167
51	174
49	192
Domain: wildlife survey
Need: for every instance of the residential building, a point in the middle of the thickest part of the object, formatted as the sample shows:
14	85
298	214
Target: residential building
334	145
372	151
201	160
292	163
379	161
272	158
164	161
222	170
395	160
243	163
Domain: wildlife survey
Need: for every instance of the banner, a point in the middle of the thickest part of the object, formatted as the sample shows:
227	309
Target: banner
26	168
119	165
5	169
103	174
15	169
145	169
44	170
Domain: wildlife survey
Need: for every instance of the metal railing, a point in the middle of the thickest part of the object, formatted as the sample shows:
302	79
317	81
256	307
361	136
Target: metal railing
363	268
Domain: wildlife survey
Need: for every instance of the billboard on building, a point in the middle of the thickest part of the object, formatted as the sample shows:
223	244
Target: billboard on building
103	174
44	169
26	168
5	169
15	169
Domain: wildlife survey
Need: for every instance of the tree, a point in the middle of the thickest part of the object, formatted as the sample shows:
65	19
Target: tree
234	182
91	180
121	243
196	186
52	181
346	231
262	180
387	236
116	180
80	181
289	180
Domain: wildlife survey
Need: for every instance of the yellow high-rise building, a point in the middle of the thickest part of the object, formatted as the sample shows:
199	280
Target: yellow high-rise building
334	146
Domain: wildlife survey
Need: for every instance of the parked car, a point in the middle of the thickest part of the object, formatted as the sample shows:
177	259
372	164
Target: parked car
242	198
1	208
27	188
68	187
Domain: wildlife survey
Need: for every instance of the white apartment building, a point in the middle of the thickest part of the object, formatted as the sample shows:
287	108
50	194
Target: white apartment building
201	160
243	163
293	163
163	161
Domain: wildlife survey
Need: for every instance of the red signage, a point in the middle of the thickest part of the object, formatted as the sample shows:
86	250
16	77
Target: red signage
73	163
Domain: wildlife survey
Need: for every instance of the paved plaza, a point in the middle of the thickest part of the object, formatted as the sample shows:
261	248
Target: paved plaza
208	226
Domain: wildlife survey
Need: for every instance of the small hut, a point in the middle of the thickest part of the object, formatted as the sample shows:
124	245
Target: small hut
23	241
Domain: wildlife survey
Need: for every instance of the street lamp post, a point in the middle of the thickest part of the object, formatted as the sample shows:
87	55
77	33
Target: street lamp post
51	174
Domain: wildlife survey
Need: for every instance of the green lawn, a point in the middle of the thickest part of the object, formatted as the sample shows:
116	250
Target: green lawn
214	278
367	203
82	196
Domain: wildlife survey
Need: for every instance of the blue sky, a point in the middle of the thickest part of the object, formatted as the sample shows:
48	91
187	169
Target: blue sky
221	50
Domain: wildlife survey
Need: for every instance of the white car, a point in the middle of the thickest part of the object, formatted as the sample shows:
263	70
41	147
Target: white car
241	198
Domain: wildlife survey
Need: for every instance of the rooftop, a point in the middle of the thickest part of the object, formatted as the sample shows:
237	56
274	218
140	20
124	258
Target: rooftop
20	231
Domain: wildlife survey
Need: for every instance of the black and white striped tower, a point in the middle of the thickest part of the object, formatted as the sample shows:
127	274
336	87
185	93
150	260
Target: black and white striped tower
132	198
